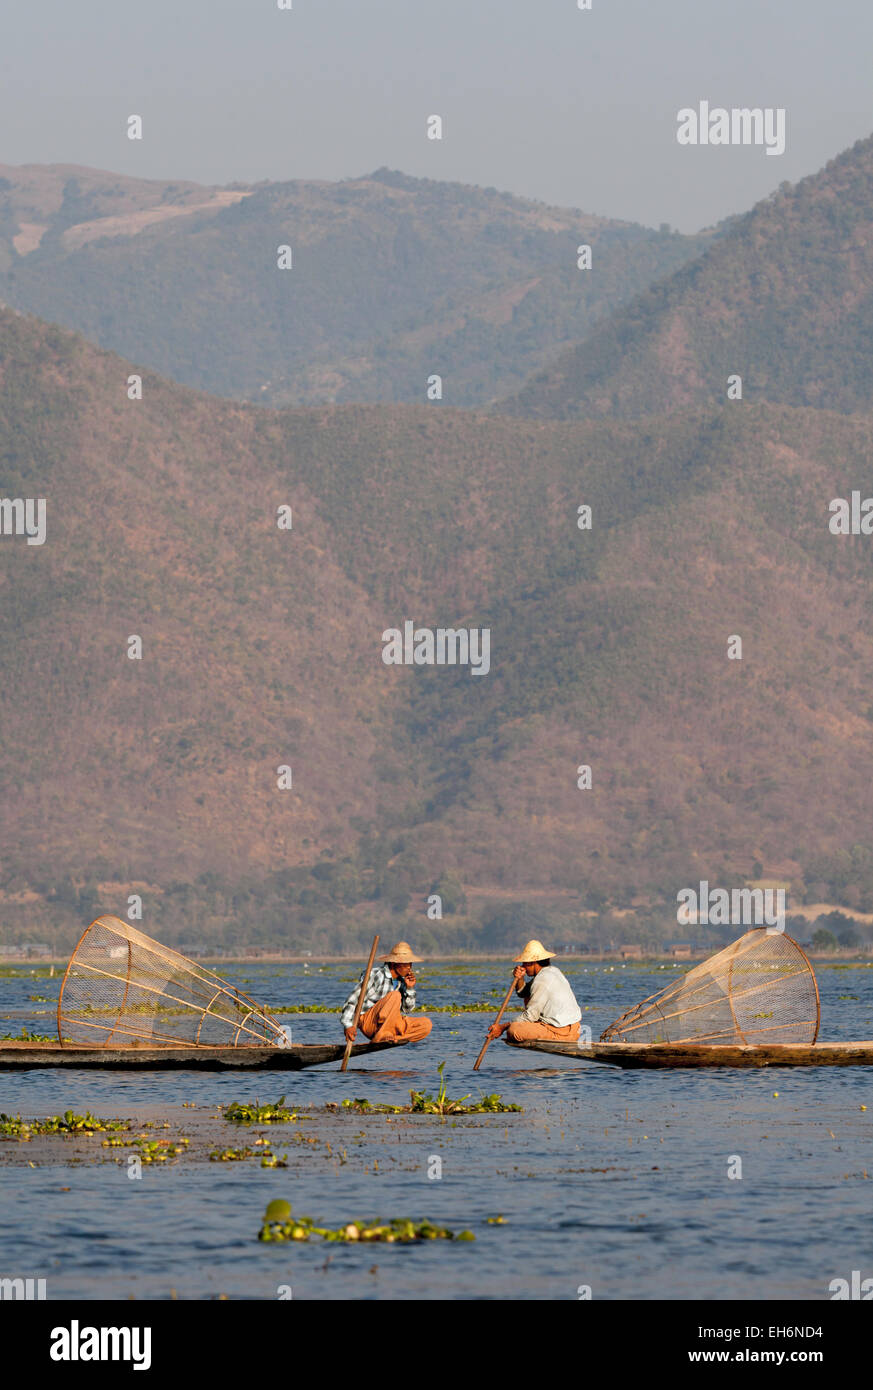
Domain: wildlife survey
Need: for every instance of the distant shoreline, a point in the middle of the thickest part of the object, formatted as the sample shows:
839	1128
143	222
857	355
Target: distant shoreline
612	957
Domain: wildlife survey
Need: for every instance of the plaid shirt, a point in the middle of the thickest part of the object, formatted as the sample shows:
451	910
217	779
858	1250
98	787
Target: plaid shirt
380	983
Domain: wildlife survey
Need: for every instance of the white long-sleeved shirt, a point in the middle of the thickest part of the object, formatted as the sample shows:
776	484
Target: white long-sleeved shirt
549	999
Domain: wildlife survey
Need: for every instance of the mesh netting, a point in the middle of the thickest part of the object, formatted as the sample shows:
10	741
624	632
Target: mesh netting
760	989
122	987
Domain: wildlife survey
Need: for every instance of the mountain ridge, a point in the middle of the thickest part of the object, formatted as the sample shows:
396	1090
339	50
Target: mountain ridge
393	280
783	298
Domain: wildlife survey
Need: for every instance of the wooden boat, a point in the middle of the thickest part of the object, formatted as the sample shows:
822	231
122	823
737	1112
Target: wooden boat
136	1055
690	1054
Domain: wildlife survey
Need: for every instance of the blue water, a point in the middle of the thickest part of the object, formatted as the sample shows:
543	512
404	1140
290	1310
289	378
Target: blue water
617	1180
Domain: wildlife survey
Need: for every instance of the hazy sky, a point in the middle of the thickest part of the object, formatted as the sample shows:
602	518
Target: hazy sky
540	98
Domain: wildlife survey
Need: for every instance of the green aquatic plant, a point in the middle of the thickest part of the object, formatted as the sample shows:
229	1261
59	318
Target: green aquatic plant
363	1107
279	1225
68	1123
493	1105
277	1210
230	1155
26	1036
423	1103
306	1009
440	1104
38	972
258	1114
159	1150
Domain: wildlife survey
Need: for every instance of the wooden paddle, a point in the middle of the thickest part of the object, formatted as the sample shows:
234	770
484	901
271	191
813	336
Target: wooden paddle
360	1004
487	1041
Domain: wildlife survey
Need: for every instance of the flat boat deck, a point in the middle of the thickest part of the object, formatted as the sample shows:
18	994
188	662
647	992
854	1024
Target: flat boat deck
820	1054
145	1058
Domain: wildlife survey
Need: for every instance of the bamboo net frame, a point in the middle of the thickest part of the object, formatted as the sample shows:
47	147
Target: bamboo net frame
760	989
122	988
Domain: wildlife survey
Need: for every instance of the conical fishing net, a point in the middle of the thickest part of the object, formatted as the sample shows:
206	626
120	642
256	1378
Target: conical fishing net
123	988
760	989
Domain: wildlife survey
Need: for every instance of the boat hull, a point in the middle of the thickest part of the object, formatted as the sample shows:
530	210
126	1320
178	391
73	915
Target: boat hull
820	1054
24	1055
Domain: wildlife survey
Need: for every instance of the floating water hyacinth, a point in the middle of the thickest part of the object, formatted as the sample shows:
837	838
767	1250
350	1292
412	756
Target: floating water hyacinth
68	1123
257	1114
279	1225
423	1103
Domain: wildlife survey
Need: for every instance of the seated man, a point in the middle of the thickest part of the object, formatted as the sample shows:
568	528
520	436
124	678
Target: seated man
551	1010
389	998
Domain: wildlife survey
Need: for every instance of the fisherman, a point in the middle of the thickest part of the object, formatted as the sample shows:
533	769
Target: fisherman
390	997
550	1010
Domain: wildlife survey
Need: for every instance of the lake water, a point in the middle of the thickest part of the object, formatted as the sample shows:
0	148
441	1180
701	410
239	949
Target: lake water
613	1180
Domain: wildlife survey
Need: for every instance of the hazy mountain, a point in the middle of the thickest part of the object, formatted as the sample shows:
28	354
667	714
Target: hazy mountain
393	279
784	298
263	648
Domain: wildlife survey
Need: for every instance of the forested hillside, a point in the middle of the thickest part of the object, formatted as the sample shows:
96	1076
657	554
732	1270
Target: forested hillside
262	648
783	298
392	280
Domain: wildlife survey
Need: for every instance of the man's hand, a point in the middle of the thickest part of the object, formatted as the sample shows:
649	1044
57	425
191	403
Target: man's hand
351	1033
496	1030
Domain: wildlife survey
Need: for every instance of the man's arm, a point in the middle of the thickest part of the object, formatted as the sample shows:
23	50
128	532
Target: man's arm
347	1017
497	1029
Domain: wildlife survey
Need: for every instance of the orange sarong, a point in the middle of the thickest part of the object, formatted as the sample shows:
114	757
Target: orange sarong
522	1031
385	1023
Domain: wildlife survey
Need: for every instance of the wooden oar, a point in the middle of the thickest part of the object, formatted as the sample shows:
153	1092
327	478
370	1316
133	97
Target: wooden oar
487	1041
360	1003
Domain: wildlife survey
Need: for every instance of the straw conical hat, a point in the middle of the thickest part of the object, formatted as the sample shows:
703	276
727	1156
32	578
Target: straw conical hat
401	953
534	950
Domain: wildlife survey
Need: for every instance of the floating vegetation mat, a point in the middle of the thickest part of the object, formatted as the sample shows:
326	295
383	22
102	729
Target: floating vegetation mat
258	1114
423	1103
152	1150
26	1036
279	1224
12	1126
426	1104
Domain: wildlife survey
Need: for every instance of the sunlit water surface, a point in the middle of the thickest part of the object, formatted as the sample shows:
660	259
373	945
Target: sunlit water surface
613	1180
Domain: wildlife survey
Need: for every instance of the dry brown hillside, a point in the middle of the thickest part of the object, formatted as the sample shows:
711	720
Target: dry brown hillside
263	648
